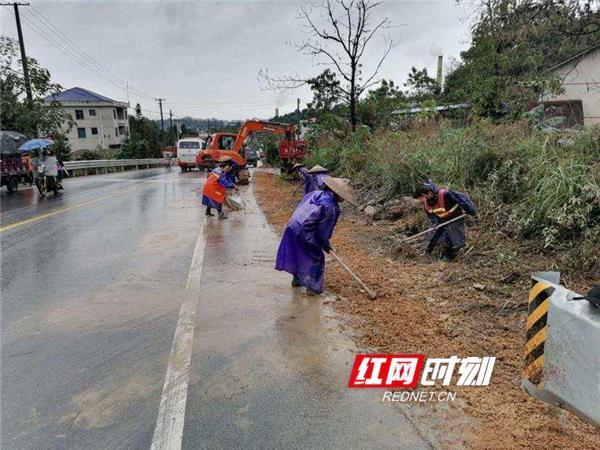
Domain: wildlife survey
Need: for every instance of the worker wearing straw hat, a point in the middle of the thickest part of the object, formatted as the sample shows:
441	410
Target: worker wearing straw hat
318	174
308	233
312	179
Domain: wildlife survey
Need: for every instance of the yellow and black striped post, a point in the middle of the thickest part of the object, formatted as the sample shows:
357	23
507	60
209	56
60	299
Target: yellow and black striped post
536	329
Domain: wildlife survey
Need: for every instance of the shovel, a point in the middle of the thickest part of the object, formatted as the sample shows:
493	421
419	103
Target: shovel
437	227
372	294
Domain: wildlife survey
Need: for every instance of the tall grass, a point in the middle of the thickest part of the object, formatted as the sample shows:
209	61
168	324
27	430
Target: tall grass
546	186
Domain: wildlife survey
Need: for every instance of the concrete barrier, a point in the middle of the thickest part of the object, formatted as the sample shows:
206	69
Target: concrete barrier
562	348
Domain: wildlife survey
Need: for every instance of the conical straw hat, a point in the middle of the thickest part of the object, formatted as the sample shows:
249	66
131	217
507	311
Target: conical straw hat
341	188
318	169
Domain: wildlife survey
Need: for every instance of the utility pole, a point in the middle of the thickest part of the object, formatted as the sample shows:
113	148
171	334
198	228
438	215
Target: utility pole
298	117
162	120
22	45
170	120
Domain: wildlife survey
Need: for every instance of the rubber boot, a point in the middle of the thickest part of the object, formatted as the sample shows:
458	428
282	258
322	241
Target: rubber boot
222	215
208	212
295	281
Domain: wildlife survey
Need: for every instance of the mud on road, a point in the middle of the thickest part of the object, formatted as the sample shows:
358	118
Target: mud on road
439	309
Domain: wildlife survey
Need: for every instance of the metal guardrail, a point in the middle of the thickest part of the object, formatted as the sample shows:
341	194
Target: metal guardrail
106	163
562	360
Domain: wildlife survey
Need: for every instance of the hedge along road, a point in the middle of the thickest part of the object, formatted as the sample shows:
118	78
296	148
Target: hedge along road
130	321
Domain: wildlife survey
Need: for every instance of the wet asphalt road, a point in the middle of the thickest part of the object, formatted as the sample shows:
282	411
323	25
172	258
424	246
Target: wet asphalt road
92	285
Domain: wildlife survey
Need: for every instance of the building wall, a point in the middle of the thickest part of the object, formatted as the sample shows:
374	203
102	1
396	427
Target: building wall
111	131
582	82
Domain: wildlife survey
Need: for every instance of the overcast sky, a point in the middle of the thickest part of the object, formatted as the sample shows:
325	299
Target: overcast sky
203	57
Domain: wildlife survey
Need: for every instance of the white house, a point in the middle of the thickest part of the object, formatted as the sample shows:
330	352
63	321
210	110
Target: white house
580	101
100	122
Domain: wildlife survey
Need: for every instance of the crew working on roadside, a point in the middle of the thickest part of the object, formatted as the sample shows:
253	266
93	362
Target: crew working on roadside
308	233
214	191
444	205
311	179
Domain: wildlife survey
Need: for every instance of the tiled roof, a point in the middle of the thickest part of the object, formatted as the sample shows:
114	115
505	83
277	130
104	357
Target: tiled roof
78	94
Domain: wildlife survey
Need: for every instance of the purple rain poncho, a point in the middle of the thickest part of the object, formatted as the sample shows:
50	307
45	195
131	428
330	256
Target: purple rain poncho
306	235
312	182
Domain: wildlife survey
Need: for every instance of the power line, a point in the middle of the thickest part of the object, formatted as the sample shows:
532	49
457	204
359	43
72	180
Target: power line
83	54
79	56
54	42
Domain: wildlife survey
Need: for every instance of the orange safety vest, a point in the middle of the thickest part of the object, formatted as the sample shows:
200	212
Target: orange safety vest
439	209
213	189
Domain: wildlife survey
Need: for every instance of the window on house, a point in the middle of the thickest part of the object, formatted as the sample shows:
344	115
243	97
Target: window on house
79	114
94	131
570	111
116	132
114	113
92	112
81	133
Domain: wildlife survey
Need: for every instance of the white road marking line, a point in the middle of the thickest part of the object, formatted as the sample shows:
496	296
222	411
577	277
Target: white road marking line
193	280
168	433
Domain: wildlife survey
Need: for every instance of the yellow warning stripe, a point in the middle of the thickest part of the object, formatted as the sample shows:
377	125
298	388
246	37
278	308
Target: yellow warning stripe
536	340
533	371
536	289
539	312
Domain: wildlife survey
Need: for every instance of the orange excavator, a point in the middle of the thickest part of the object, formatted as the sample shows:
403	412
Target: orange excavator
219	145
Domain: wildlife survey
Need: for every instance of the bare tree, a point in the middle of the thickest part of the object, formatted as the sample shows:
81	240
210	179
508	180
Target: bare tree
339	38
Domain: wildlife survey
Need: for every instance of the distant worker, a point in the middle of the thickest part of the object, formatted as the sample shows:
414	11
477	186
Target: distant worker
214	192
442	205
318	174
308	233
311	179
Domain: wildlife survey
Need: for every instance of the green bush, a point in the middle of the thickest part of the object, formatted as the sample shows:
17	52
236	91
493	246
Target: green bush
89	155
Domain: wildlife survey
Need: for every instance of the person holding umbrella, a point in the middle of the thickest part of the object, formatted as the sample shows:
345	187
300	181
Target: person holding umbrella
35	148
308	233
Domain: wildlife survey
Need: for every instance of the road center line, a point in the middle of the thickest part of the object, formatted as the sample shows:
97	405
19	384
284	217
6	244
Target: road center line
59	211
168	433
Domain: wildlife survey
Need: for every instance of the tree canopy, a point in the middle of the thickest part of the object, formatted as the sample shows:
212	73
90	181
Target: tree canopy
16	112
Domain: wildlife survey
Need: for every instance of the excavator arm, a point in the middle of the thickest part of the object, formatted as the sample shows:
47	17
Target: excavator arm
254	125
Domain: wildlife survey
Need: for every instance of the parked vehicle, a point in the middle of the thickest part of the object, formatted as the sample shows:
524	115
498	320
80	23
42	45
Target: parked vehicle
13	169
252	157
187	149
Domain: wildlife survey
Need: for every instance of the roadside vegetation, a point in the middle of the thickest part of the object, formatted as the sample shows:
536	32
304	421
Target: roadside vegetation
543	189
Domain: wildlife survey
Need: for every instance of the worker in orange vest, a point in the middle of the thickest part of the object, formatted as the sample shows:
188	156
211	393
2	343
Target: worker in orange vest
214	192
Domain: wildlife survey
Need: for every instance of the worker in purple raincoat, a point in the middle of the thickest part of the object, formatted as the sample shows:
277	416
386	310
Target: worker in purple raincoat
312	179
318	175
308	234
442	205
